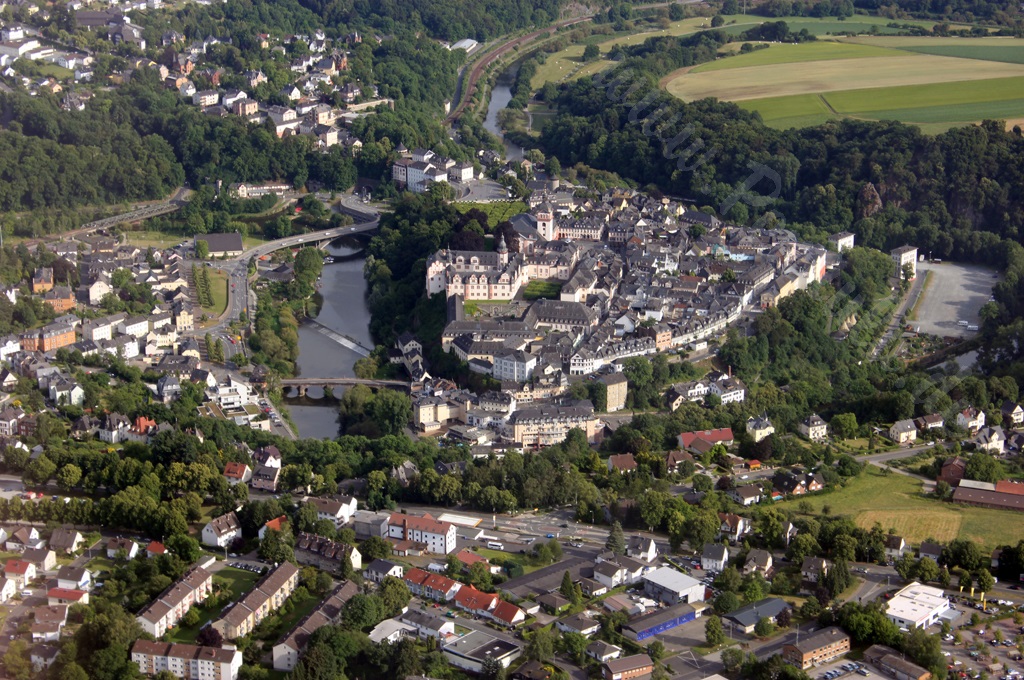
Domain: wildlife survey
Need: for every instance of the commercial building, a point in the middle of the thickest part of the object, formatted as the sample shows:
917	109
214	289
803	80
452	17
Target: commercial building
438	537
649	625
672	587
820	648
893	664
917	606
187	661
746	618
550	424
469	651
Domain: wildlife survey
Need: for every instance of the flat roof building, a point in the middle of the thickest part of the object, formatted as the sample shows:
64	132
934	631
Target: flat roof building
673	587
917	606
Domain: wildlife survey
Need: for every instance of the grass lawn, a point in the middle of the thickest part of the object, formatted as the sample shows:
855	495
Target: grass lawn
98	564
58	72
497	557
537	289
895	501
218	291
155	239
497	212
235	582
299	611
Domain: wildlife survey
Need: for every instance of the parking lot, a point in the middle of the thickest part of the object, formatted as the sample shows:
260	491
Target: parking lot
843	668
982	650
955	293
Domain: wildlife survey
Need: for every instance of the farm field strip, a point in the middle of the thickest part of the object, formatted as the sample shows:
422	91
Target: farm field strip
757	82
824	50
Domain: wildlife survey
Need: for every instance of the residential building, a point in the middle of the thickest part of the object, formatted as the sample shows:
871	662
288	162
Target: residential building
67	596
237	473
626	667
733	527
714	557
601	651
617	388
971	419
546	425
439	537
902	257
49	622
747	617
286	652
895	547
379	569
122	548
758	562
813	568
267	596
265	478
222	531
20	572
326	554
641	548
44	558
842	241
672	587
903	431
431	586
187	661
822	647
813	427
429	624
24	538
701	442
917	606
746	495
65	540
621	463
336	510
760	428
171	605
1013	413
74	578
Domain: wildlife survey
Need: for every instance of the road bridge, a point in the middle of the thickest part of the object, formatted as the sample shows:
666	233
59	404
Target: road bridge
303	384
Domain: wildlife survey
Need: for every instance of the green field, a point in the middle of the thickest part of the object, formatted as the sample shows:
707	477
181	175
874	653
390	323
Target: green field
538	289
218	291
935	83
895	501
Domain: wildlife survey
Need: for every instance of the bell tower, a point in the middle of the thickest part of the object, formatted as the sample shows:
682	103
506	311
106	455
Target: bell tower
546	221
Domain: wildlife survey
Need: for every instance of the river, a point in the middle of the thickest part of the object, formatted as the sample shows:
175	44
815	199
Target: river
501	95
344	310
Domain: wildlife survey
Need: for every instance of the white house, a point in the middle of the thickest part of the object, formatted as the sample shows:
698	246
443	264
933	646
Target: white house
642	548
222	531
895	547
971	419
337	510
714	557
813	427
438	537
903	431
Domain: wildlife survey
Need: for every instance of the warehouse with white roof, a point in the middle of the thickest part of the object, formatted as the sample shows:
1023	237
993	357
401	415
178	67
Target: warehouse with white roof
917	606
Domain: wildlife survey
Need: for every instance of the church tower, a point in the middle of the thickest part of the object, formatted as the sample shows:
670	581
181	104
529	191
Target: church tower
546	221
502	251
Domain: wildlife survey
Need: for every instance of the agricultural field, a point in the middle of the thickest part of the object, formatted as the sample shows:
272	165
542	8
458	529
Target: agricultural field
895	501
568	64
936	83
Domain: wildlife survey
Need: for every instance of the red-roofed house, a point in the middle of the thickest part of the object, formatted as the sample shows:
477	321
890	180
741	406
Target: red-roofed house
469	558
472	600
66	596
703	441
237	473
276	524
20	571
431	586
508	614
155	549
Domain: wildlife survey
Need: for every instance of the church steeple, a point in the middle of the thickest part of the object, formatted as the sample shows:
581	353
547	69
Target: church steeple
502	250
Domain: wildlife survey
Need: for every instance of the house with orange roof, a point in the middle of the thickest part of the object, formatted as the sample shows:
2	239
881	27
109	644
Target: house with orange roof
276	524
469	558
66	596
508	614
237	473
155	549
431	586
476	601
20	571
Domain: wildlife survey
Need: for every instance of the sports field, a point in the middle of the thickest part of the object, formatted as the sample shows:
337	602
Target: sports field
936	83
895	501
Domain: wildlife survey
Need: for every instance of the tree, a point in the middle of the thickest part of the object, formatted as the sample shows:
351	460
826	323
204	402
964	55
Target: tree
656	650
375	548
541	645
390	411
717	21
209	637
491	669
616	542
985	580
727	602
905	566
984	468
844	425
480	576
784	618
591	52
191	618
575	645
394	596
276	547
567	588
764	627
69	476
927	570
810	608
714	634
202	250
732	658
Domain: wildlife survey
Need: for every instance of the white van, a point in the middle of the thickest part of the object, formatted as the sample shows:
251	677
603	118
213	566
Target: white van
962	323
494	545
972	327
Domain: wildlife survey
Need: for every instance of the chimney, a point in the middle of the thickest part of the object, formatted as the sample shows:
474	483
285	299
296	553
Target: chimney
730	371
405	529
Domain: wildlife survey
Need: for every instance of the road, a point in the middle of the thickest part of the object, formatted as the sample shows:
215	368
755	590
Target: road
896	321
